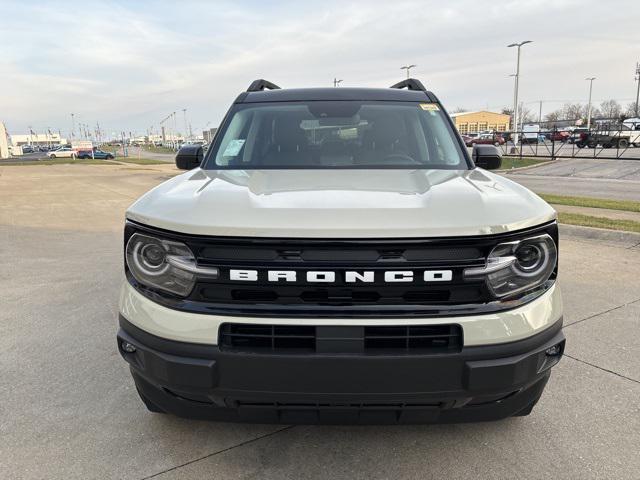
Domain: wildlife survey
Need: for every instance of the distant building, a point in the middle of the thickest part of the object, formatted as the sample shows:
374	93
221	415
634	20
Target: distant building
480	121
39	139
207	135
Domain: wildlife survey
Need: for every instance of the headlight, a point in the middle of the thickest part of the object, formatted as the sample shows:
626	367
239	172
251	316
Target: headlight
515	267
164	264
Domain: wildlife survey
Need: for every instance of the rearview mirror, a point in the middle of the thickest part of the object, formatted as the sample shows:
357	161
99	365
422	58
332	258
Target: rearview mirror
189	157
487	157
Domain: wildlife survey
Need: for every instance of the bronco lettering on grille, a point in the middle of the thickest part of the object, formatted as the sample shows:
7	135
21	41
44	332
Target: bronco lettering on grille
350	276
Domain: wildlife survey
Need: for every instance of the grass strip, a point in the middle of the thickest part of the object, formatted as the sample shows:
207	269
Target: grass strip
509	163
625	205
598	222
58	161
141	161
159	149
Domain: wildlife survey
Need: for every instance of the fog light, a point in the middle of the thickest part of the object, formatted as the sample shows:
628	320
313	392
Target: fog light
128	347
554	351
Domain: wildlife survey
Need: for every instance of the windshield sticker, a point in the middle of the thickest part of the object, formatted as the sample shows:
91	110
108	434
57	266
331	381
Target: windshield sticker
431	107
233	149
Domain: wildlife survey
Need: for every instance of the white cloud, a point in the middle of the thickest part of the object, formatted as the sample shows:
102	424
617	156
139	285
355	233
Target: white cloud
128	65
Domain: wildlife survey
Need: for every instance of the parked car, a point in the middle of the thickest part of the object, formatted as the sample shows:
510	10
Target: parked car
27	149
578	134
97	154
484	139
62	152
558	136
531	134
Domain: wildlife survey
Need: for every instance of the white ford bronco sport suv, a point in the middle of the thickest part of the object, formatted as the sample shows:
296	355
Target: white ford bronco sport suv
338	257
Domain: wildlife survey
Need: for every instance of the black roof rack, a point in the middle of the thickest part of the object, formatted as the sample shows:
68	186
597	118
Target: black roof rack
410	84
260	84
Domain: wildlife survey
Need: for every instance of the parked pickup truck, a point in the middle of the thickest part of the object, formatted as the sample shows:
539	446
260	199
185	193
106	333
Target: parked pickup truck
338	257
627	135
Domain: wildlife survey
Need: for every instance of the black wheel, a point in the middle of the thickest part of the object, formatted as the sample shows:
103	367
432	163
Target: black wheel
152	407
623	143
52	156
592	144
607	145
109	157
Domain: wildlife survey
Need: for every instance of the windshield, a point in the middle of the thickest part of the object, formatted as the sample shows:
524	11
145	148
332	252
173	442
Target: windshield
336	134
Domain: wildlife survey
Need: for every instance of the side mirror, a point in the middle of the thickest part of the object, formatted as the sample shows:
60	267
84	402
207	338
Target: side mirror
487	157
189	157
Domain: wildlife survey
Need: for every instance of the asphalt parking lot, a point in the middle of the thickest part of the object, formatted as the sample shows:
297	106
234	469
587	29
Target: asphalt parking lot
68	408
612	179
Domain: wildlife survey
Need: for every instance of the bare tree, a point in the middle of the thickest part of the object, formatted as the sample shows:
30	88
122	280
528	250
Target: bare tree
524	114
630	110
459	110
553	117
609	109
573	111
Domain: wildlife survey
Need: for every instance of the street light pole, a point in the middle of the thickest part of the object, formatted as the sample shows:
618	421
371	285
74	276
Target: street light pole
73	125
175	132
408	69
590	80
638	90
184	114
515	94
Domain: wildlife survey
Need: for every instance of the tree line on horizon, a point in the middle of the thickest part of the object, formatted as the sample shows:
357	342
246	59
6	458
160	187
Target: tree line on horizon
608	109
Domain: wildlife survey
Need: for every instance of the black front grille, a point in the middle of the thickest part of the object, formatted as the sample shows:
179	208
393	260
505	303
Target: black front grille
341	297
280	339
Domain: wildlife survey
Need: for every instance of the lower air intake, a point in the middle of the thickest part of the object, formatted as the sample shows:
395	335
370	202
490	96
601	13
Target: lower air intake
390	340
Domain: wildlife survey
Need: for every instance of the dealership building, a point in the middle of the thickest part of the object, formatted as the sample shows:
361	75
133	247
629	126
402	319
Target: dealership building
480	121
39	139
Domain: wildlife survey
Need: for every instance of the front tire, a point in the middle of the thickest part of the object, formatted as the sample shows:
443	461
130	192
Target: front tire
622	143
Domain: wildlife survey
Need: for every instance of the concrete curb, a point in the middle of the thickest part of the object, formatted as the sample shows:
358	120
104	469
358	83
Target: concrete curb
601	235
530	167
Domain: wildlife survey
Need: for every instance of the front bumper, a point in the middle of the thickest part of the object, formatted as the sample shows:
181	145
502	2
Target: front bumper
479	383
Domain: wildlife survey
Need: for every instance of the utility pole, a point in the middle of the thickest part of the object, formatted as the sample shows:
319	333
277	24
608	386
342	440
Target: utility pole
540	113
408	69
515	93
73	125
336	82
184	114
175	132
638	89
590	80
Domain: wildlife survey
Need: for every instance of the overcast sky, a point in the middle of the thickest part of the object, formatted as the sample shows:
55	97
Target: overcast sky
128	66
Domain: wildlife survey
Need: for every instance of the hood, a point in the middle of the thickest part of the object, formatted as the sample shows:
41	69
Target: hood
340	204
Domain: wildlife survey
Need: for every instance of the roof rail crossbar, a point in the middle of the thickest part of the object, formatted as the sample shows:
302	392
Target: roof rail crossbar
260	84
410	84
